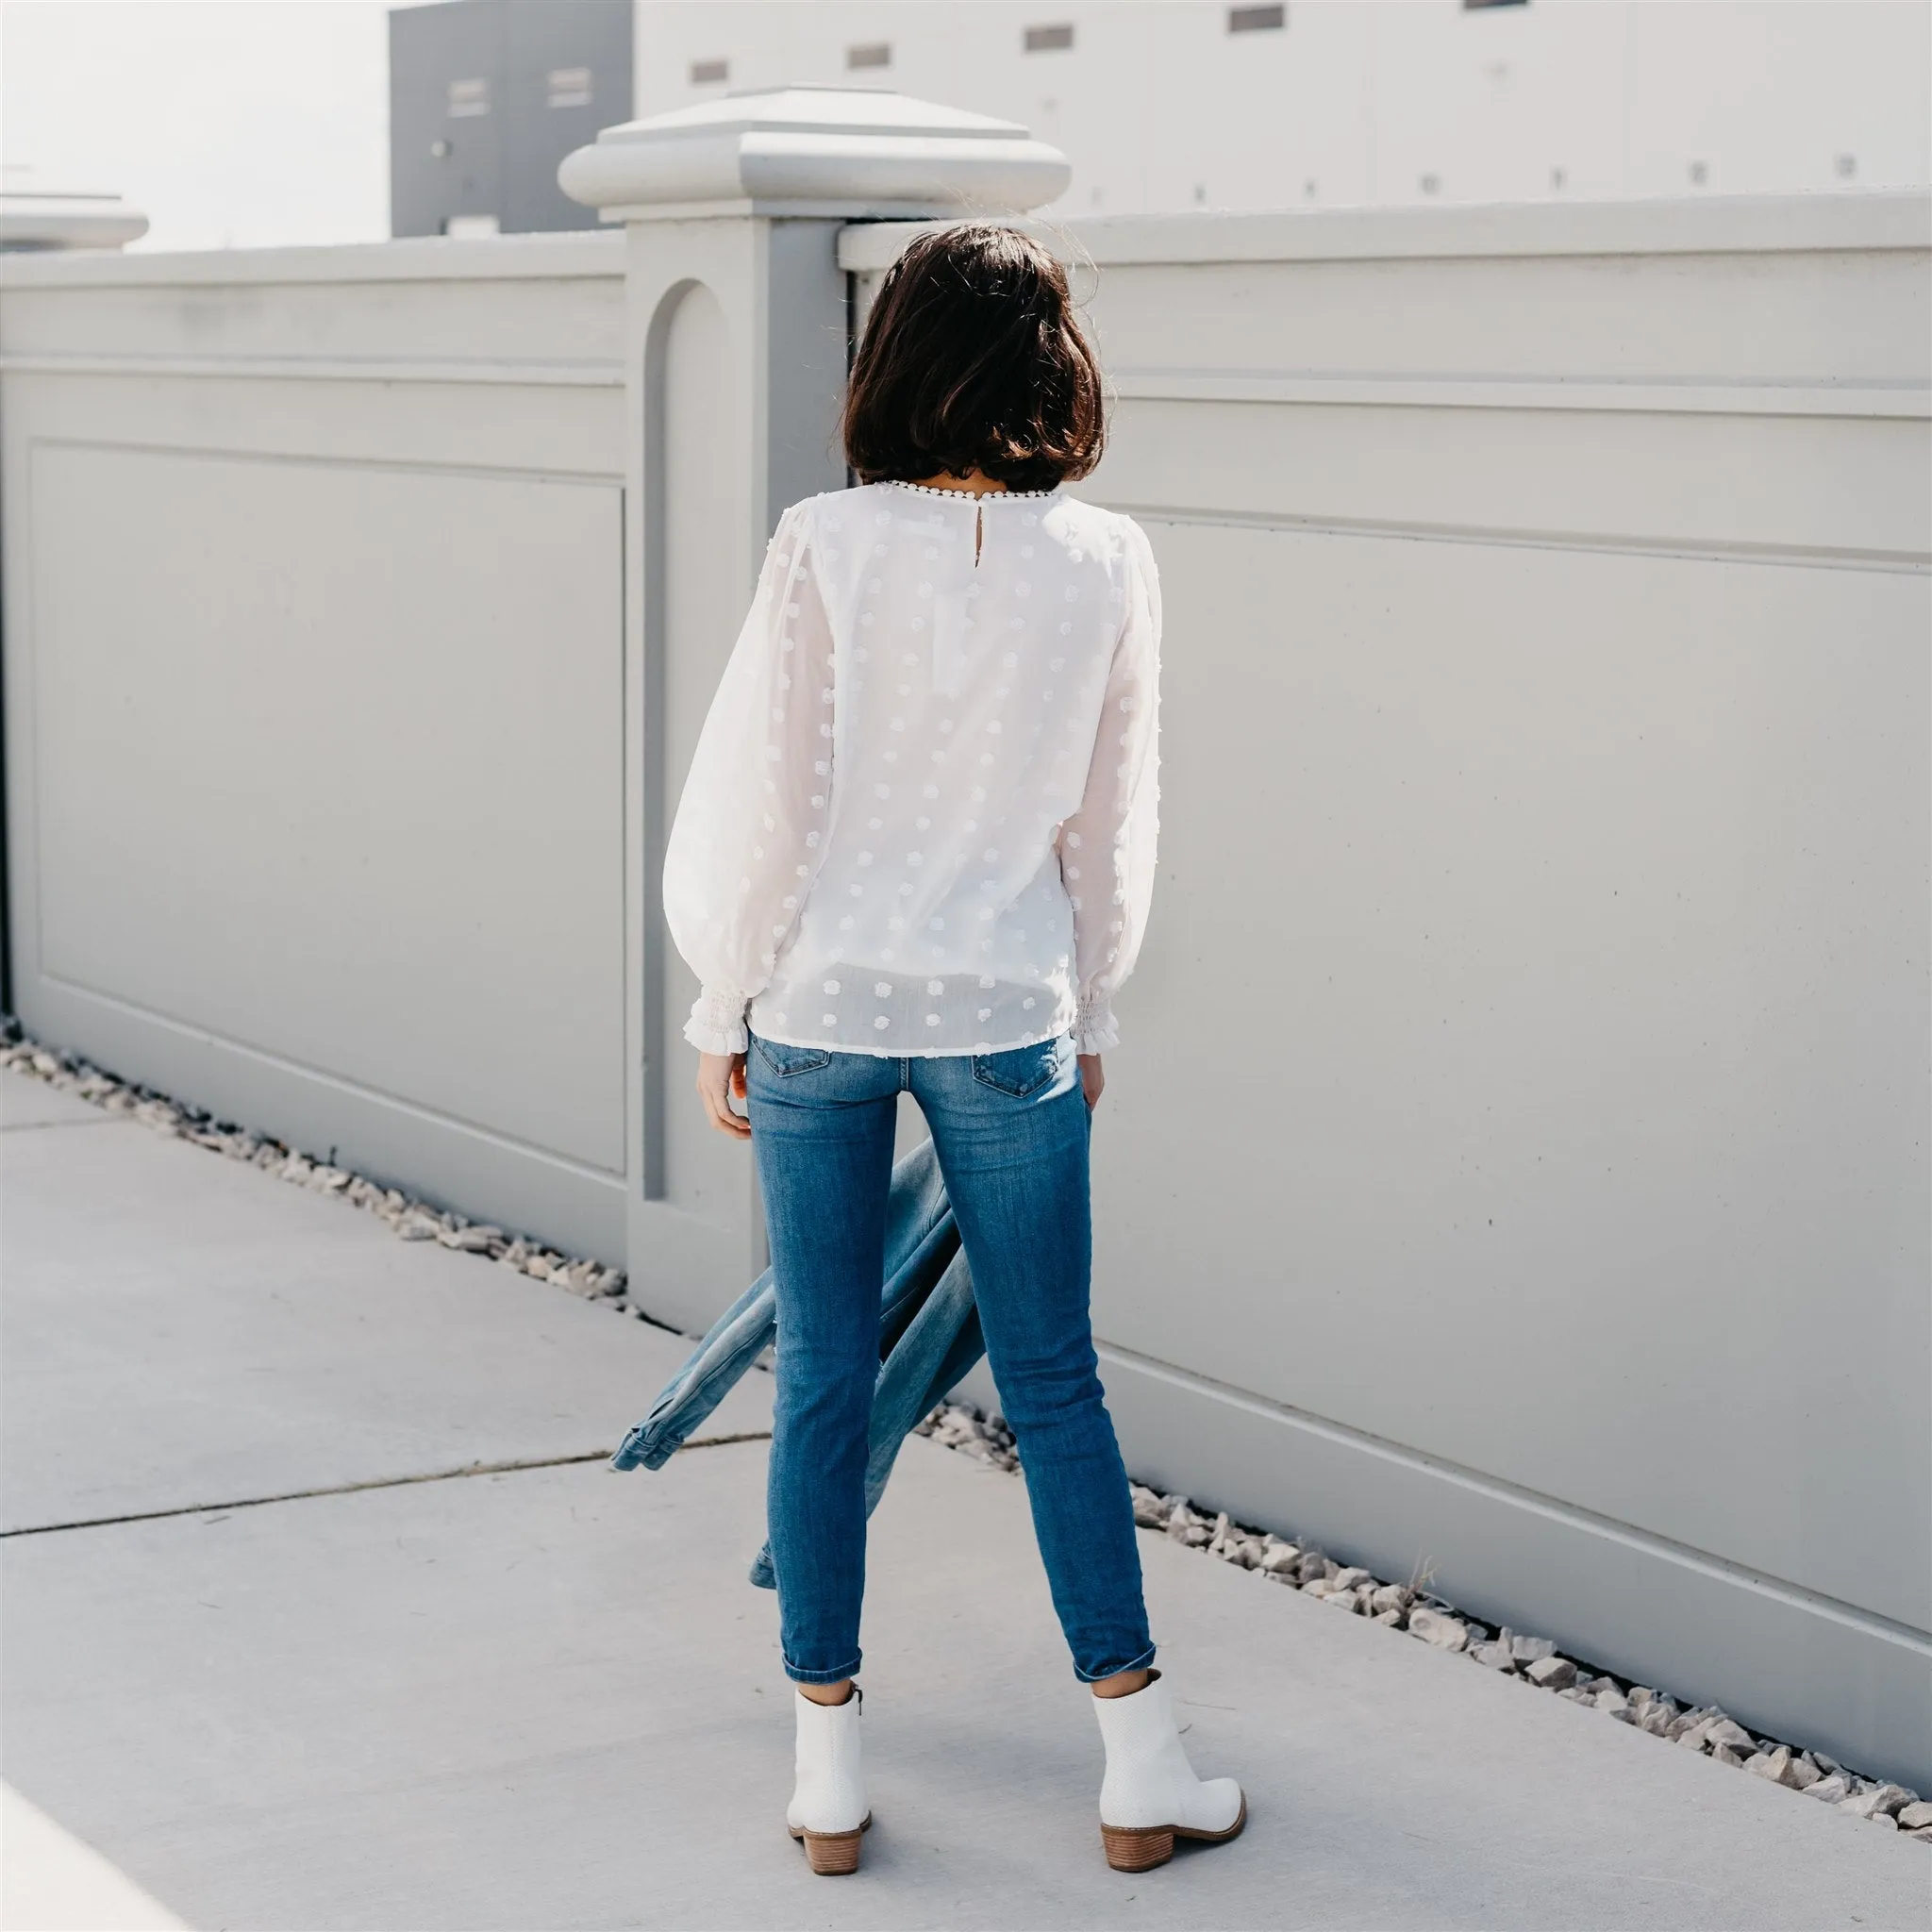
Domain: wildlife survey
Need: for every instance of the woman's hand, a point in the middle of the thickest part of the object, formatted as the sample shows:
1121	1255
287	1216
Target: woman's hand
721	1077
1091	1080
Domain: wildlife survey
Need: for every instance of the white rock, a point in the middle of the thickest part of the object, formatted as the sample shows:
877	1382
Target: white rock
1552	1673
1283	1556
1495	1657
1879	1801
1614	1701
1394	1619
1724	1732
1830	1790
1435	1627
1916	1817
1804	1774
1391	1596
1351	1578
1773	1766
1532	1650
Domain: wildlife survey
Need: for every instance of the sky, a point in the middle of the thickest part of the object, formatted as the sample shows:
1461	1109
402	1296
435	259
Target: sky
228	122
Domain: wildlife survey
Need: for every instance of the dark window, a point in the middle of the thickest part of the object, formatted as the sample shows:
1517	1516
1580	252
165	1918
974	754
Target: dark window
570	86
709	72
872	54
1256	20
468	98
1048	39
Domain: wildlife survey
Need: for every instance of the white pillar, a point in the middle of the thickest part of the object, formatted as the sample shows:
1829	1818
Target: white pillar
736	345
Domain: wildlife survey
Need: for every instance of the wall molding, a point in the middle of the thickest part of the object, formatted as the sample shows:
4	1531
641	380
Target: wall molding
1896	562
503	371
1687	396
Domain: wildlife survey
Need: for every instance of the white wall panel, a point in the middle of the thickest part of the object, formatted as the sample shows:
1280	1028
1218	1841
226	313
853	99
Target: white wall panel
1536	928
358	806
315	678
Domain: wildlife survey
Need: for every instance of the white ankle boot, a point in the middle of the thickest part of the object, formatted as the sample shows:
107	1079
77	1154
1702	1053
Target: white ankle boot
1150	1796
829	1809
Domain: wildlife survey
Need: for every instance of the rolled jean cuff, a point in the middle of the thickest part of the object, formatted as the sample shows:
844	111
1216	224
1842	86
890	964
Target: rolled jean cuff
1138	1663
837	1676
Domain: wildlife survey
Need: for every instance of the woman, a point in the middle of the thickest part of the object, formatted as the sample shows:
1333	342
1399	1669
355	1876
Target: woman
914	853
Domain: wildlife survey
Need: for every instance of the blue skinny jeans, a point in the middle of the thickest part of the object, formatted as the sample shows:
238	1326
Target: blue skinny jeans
1011	1132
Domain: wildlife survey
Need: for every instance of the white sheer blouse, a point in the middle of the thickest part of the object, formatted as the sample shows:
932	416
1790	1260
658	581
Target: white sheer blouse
921	815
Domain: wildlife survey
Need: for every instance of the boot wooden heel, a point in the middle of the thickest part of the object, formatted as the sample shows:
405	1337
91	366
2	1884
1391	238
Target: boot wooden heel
832	1853
1130	1849
1148	1775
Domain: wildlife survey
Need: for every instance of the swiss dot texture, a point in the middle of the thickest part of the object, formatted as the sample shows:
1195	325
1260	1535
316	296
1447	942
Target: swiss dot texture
821	890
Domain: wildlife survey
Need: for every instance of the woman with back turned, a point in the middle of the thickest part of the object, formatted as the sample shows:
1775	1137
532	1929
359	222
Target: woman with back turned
915	855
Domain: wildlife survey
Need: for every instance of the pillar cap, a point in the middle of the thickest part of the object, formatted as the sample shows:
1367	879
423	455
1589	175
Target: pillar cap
34	216
848	152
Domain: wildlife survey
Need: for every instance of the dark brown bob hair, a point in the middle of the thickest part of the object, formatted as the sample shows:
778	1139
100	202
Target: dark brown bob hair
972	360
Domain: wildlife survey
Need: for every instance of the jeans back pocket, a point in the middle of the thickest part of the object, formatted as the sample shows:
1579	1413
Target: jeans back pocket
1021	1071
786	1060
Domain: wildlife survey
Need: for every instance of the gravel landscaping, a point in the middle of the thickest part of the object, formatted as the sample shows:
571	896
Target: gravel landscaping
1285	1561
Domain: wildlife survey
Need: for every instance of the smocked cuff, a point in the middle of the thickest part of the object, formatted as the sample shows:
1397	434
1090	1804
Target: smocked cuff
1095	1030
717	1021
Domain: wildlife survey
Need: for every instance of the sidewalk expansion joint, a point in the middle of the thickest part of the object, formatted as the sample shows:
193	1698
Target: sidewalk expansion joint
386	1482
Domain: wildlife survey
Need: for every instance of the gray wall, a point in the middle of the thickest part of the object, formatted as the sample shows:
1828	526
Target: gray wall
1514	1164
502	162
314	681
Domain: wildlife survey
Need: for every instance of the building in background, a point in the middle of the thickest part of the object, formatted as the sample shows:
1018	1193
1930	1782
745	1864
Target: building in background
487	97
1170	104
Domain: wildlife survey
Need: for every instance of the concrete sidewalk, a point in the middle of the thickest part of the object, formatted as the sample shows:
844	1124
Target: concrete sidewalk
548	1697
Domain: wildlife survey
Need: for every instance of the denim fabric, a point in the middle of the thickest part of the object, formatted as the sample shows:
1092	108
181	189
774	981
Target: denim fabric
928	1324
1010	1133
